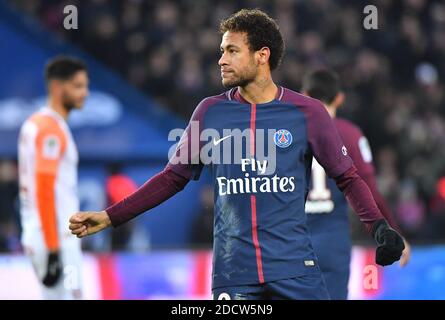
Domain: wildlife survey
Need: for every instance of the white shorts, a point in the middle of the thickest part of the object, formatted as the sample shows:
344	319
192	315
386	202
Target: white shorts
69	286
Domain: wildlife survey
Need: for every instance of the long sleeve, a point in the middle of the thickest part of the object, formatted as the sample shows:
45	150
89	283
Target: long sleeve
359	197
329	150
381	203
360	153
50	148
154	192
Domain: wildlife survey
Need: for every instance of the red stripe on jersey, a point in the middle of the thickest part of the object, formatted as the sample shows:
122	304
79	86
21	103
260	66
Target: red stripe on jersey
256	242
252	129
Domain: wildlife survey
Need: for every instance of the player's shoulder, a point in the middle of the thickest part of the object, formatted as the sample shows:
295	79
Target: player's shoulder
300	100
313	109
347	127
35	121
211	100
207	102
44	122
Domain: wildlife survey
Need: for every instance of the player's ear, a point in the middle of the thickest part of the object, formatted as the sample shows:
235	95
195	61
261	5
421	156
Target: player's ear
339	99
263	55
51	86
54	86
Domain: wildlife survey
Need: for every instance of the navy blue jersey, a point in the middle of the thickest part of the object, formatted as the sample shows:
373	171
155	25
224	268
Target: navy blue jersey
261	180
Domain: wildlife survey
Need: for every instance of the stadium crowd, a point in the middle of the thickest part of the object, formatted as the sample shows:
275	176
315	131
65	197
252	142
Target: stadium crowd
393	77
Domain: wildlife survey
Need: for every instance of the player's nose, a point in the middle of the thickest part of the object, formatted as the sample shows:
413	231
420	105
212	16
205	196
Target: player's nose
222	61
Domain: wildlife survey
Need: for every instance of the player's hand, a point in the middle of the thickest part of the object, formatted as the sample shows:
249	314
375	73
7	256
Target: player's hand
53	269
390	243
87	223
406	254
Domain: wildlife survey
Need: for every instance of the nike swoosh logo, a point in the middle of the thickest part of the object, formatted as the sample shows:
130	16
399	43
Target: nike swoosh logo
216	142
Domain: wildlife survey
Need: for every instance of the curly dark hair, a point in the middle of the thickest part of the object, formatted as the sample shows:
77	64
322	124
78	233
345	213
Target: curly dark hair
262	31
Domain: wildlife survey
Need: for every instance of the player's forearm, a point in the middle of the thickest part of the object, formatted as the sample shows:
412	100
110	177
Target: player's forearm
154	192
359	197
46	204
381	203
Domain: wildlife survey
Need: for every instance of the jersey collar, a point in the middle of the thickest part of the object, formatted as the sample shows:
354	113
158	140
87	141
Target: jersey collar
48	110
235	95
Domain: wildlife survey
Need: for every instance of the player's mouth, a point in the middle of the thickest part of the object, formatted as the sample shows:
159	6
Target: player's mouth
225	73
80	103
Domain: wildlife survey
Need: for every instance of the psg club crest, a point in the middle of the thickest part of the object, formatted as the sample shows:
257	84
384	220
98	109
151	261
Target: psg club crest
283	138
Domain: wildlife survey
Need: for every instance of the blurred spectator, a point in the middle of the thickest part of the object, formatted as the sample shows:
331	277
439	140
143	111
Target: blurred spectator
9	231
410	210
118	186
436	223
202	232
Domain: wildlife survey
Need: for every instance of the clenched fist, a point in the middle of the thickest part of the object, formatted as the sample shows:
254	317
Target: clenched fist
89	222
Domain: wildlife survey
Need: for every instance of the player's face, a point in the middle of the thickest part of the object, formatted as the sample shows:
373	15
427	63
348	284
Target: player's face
75	91
237	62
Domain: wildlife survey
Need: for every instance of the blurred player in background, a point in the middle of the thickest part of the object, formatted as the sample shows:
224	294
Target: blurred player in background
48	181
262	247
326	205
119	185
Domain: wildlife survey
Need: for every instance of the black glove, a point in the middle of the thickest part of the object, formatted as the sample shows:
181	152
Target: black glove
53	270
389	243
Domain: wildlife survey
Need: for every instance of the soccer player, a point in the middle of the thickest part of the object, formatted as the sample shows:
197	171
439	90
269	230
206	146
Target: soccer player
262	248
48	181
326	205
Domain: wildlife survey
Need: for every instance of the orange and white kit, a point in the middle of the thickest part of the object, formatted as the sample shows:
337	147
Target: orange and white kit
48	161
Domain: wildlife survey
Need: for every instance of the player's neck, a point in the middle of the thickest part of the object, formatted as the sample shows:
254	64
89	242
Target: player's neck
59	108
262	90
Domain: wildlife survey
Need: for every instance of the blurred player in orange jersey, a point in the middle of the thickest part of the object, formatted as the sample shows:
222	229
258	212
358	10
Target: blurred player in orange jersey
48	181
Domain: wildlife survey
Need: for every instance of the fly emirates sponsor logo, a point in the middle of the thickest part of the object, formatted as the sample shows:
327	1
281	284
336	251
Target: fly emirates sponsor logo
248	184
